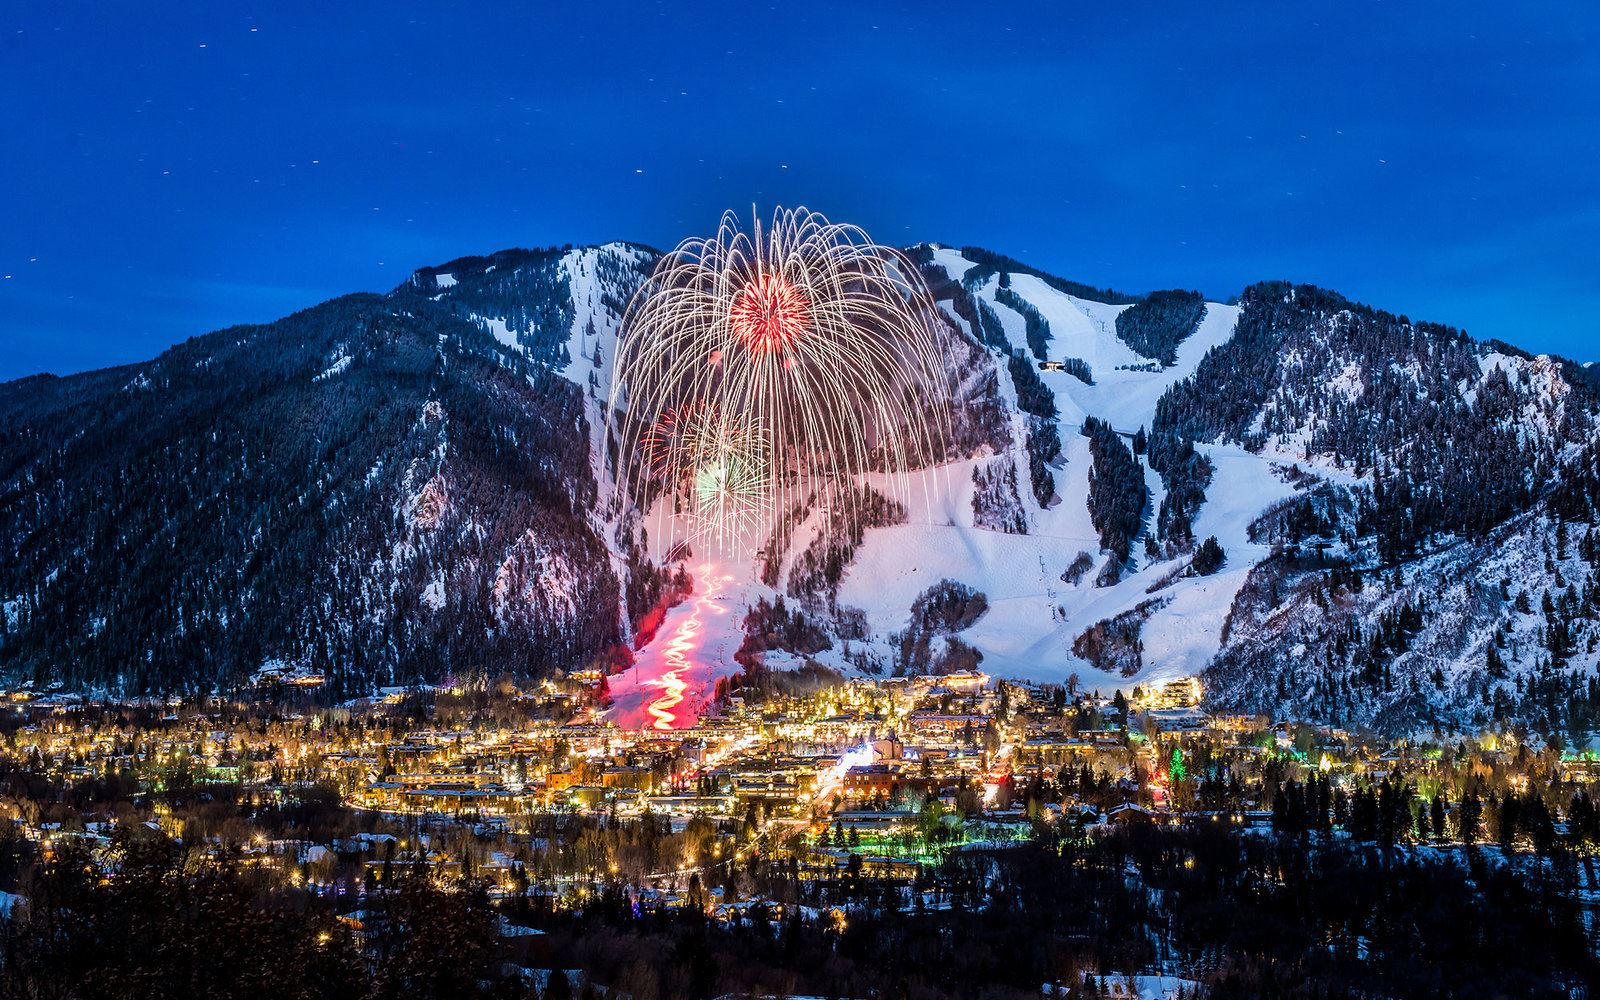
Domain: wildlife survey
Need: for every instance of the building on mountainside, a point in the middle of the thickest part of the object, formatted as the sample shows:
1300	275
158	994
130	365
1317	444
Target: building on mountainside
1180	692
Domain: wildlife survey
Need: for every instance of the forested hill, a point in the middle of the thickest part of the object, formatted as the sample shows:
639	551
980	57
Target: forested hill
375	489
1326	509
1436	566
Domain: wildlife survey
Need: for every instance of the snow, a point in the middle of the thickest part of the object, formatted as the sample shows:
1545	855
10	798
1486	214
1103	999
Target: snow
1025	633
501	332
1349	383
714	626
444	280
533	575
433	594
1185	635
338	365
277	668
1033	615
1123	397
1541	417
951	260
594	328
590	313
1124	393
1124	987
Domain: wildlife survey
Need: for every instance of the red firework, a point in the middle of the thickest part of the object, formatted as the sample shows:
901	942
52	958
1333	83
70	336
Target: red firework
769	314
665	441
686	434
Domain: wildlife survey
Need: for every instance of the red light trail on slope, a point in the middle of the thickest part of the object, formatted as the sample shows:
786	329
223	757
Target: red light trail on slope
678	649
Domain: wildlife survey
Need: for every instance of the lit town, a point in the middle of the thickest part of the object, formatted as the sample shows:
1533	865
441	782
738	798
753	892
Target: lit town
803	805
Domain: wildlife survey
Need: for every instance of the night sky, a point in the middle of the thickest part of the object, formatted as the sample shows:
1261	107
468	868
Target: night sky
167	169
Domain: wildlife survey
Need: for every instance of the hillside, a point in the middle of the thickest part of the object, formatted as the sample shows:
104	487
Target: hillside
374	489
1325	508
1323	444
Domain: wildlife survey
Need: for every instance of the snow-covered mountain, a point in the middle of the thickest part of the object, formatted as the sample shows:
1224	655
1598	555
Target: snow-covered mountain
1320	507
1393	499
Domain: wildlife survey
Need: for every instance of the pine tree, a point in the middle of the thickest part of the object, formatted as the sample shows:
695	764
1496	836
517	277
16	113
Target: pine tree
1209	557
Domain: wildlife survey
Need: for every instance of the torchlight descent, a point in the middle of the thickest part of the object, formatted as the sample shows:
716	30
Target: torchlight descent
758	369
663	709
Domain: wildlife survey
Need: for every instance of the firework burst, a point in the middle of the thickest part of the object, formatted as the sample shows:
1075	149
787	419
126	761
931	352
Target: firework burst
756	366
681	437
731	494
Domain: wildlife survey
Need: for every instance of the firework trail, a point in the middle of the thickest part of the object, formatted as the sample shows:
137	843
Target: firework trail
757	368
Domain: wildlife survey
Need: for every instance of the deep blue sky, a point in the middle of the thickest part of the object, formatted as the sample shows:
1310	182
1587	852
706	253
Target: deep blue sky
166	169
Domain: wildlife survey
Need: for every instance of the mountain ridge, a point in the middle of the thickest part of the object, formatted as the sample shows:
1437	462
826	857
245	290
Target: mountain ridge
1294	422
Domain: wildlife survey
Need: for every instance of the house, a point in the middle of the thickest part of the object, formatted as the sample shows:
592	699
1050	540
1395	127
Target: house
1131	813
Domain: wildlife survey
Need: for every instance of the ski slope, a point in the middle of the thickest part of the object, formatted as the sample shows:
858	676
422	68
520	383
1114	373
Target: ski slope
1034	614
